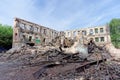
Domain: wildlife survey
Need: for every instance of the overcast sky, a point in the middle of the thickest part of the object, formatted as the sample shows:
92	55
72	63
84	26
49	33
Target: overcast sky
60	14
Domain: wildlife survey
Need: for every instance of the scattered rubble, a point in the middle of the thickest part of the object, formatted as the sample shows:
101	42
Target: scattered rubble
115	53
61	63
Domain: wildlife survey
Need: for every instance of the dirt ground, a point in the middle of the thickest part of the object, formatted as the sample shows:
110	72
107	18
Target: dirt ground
12	71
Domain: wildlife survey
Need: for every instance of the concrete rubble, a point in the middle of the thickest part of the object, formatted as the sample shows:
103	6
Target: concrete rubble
70	61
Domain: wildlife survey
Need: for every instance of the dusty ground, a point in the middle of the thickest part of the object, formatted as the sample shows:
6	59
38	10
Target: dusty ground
12	71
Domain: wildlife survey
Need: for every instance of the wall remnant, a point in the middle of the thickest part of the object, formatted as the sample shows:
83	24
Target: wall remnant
25	31
100	34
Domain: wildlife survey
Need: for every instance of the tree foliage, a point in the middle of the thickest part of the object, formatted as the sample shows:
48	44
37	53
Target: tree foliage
6	33
115	32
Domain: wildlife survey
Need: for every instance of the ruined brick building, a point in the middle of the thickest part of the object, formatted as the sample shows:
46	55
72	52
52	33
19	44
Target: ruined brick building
100	34
25	31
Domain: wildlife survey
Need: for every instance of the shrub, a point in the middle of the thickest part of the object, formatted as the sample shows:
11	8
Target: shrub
6	33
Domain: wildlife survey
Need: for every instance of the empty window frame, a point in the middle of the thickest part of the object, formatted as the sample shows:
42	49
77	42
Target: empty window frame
102	39
37	29
84	32
79	32
96	30
24	39
44	32
55	33
40	29
91	32
68	34
30	38
27	27
74	33
31	28
101	30
22	25
96	39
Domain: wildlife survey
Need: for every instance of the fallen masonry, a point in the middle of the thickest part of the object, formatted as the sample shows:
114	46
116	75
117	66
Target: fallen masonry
52	63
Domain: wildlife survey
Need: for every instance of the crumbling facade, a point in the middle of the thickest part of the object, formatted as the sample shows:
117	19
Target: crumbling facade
25	31
100	34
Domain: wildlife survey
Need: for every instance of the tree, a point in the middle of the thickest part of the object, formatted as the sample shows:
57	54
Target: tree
6	33
115	32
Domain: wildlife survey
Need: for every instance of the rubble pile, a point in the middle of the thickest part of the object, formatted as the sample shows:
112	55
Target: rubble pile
107	71
55	64
70	67
25	54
